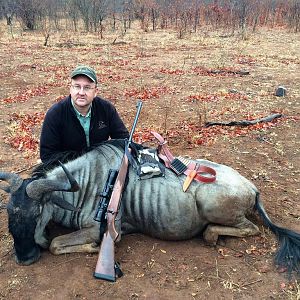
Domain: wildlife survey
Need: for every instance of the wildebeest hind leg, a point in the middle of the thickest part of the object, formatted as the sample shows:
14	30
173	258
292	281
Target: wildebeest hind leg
83	240
246	228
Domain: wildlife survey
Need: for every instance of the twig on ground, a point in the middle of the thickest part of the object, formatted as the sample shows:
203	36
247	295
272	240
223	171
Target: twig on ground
250	283
245	122
242	73
217	269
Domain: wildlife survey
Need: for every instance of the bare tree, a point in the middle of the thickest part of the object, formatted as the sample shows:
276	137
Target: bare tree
196	10
245	11
52	10
165	13
294	15
183	15
141	13
154	14
7	9
93	12
113	12
84	9
99	10
127	14
73	13
29	11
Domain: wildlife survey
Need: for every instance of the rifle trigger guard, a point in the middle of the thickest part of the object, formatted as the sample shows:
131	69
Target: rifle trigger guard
118	270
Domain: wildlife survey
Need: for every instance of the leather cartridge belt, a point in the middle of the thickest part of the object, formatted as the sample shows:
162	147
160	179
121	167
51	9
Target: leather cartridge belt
203	173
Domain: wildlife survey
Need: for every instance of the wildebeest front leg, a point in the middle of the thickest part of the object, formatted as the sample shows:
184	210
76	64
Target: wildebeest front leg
246	228
83	240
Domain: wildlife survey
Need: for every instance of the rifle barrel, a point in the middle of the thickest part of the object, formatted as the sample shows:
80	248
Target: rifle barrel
139	108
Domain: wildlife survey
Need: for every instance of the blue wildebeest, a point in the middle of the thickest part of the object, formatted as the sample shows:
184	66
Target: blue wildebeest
157	207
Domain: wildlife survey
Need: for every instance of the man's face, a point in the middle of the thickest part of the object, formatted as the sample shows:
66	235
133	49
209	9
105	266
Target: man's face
82	91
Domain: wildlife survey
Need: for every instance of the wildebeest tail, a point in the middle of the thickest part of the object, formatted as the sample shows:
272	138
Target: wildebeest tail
288	252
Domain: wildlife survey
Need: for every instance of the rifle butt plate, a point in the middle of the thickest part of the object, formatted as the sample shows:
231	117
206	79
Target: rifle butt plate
105	277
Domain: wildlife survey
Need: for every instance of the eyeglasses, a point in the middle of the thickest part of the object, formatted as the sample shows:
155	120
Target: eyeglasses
86	88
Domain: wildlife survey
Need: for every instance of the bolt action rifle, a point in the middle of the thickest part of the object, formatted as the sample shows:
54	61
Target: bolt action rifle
106	267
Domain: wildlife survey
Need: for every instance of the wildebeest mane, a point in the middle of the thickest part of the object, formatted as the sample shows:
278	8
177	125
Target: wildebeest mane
66	156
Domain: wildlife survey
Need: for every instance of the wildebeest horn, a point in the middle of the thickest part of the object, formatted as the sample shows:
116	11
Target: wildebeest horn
14	180
62	203
37	188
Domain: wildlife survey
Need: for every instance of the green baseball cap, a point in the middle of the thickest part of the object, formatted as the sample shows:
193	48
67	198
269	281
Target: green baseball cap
86	71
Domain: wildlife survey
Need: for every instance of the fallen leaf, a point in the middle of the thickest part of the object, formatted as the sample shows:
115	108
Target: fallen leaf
282	285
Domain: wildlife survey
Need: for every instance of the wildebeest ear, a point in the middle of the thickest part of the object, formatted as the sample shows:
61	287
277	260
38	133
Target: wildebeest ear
63	203
14	182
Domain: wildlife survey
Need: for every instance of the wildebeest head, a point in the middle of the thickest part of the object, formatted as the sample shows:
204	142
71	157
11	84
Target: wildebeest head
26	199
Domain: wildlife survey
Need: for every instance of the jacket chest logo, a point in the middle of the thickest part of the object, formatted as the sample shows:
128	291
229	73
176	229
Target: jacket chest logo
101	125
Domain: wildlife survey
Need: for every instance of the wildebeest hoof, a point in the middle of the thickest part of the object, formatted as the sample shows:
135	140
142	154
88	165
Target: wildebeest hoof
210	237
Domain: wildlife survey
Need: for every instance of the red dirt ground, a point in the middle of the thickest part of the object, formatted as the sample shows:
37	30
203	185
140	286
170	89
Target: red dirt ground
170	75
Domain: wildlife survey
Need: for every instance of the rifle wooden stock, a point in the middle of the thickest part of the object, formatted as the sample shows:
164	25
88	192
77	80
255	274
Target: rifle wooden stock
105	267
